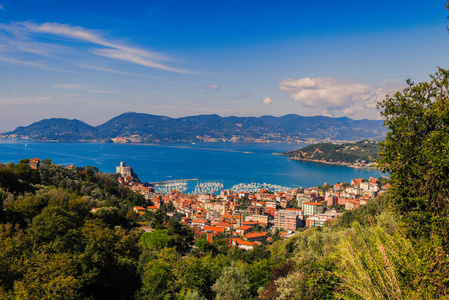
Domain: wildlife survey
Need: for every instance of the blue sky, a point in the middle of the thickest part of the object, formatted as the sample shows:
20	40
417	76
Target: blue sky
93	60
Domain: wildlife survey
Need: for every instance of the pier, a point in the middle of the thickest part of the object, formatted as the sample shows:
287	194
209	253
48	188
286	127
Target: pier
171	182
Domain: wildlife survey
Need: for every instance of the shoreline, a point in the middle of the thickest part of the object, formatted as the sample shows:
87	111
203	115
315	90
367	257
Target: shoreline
343	164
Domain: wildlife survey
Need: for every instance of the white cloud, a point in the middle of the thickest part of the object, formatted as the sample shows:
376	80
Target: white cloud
336	98
325	91
68	85
266	100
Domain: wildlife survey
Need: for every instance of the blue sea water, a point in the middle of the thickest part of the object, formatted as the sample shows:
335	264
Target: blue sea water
231	163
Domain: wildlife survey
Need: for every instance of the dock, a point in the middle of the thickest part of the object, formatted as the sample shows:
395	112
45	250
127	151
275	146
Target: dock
171	182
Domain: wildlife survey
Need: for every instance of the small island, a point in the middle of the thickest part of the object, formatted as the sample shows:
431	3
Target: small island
361	154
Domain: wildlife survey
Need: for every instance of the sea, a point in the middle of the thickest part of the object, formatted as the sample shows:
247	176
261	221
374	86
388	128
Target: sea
227	163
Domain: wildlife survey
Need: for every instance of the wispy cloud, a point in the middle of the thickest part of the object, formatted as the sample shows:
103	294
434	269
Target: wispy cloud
99	68
71	95
112	49
26	38
18	101
12	61
132	56
68	85
1	7
206	86
102	92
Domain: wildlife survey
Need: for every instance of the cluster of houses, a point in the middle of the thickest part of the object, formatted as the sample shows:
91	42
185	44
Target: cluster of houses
249	219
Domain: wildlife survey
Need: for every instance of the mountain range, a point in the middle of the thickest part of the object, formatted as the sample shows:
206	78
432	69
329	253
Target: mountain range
147	128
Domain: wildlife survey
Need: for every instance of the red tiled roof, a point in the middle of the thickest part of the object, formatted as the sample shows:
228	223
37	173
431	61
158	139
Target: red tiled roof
244	227
215	228
255	234
201	221
249	223
224	224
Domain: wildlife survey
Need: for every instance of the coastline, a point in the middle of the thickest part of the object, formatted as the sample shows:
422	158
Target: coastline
343	164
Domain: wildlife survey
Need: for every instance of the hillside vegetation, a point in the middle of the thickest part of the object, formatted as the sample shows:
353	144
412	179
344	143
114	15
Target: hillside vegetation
350	153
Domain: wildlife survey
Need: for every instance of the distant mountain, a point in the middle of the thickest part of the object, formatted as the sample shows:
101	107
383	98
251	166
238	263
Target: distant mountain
349	153
57	129
139	127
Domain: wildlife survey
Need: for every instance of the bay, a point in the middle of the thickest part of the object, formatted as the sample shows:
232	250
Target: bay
230	163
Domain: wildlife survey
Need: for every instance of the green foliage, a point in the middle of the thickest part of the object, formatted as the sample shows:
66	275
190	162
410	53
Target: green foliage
259	274
345	153
89	182
203	244
232	284
17	179
374	265
156	239
155	218
416	153
365	214
158	279
48	276
53	247
194	295
282	271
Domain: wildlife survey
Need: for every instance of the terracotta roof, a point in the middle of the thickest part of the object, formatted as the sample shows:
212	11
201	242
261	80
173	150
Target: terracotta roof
313	203
249	223
215	228
255	234
224	224
201	221
244	227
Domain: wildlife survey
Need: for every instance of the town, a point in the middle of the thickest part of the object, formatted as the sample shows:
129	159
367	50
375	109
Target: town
254	218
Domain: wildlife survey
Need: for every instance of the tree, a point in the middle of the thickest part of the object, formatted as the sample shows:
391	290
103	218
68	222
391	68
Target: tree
48	276
156	239
46	161
232	284
158	279
416	153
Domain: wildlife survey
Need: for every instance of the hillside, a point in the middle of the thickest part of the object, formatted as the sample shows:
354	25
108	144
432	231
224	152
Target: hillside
57	129
140	127
348	153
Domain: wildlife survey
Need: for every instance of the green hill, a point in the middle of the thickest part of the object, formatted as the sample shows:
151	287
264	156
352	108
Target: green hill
349	153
